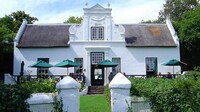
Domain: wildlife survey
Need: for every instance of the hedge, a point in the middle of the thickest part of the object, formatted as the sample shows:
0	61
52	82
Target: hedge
12	98
169	95
41	86
107	94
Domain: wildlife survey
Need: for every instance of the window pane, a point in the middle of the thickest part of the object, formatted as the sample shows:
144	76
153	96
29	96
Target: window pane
97	33
151	64
97	57
118	67
98	74
78	69
43	72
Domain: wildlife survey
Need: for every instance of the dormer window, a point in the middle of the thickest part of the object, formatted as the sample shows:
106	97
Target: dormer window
97	33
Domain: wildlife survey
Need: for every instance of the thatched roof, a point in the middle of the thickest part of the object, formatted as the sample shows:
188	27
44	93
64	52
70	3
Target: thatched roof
45	36
148	35
136	35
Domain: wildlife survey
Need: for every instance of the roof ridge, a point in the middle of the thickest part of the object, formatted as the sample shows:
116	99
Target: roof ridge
146	24
51	24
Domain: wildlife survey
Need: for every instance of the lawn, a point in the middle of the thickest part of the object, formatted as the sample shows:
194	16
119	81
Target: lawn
94	103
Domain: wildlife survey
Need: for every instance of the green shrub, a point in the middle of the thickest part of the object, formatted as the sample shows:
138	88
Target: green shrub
197	68
175	95
184	96
41	86
82	85
107	94
12	98
144	87
193	74
57	104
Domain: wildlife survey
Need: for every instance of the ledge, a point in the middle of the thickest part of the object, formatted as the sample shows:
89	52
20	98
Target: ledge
97	41
41	98
97	47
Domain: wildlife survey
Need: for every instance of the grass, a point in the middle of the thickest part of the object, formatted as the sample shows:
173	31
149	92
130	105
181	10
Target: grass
94	103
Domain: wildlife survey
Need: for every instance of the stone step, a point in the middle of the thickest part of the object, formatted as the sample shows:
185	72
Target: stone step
96	90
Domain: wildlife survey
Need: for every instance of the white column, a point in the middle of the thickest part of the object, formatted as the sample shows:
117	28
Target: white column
88	70
107	69
69	92
120	93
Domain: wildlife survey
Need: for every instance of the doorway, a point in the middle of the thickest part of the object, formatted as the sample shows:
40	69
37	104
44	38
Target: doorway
151	66
97	73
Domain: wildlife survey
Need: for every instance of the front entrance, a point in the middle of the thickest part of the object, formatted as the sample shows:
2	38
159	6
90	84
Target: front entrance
97	73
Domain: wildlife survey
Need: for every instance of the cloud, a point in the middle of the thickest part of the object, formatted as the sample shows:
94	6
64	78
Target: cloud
135	13
57	11
60	17
7	6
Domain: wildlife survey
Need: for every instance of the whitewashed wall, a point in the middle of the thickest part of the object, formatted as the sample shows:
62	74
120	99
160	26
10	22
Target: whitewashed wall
68	92
120	93
132	58
41	102
121	101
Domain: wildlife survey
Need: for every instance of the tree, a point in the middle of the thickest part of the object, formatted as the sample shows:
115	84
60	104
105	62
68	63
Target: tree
74	19
185	17
6	38
189	26
7	21
189	34
9	25
150	21
176	8
17	18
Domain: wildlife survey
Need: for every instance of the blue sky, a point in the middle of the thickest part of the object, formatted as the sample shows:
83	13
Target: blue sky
57	11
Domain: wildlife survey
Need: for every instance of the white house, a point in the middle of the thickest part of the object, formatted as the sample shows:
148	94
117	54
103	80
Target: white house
139	49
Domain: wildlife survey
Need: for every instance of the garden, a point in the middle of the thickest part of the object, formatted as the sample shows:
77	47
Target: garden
170	95
165	95
13	97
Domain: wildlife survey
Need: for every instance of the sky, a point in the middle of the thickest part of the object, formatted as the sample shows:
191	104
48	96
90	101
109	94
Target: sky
57	11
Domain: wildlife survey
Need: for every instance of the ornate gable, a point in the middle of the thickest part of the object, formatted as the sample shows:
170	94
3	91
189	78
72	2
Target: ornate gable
97	6
97	9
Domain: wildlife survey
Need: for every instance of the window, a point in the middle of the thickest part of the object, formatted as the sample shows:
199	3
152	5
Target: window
78	69
118	67
98	74
97	33
97	57
43	72
151	64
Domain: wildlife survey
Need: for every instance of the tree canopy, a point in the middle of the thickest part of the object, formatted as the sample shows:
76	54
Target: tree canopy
17	18
185	17
74	19
9	25
189	26
176	8
189	34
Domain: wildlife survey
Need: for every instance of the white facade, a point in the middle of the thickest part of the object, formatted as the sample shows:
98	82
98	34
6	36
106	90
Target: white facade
113	46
